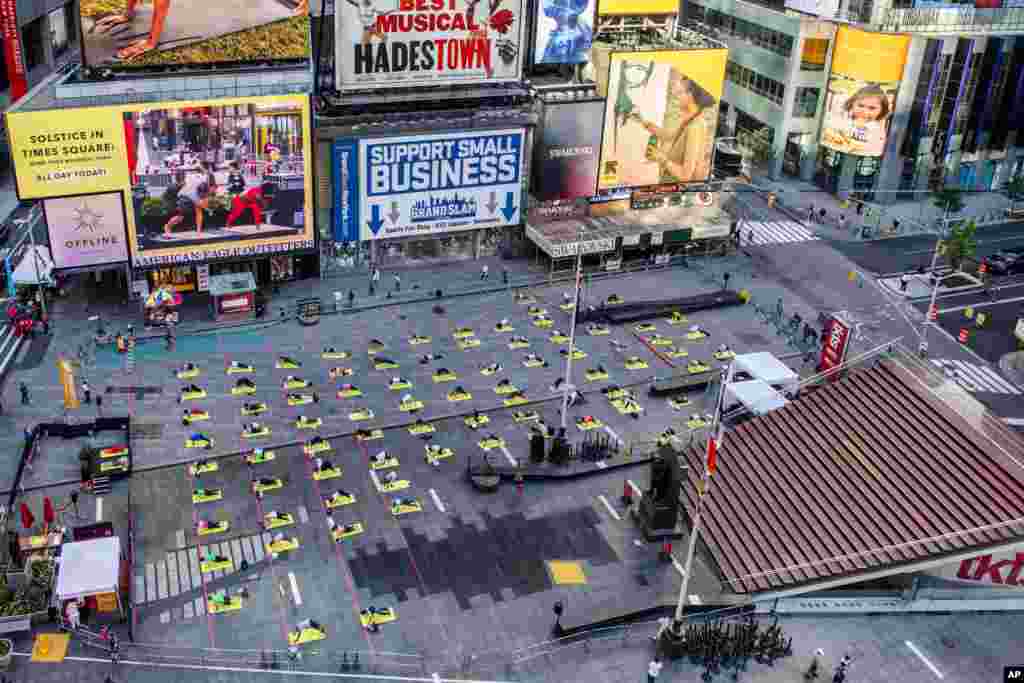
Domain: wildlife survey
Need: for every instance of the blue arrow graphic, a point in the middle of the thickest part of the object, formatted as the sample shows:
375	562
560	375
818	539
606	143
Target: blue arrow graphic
510	208
375	222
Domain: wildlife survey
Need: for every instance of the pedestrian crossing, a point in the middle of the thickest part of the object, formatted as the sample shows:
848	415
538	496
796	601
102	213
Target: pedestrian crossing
976	378
774	232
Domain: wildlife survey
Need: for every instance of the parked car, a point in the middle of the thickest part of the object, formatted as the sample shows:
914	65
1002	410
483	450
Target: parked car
1005	263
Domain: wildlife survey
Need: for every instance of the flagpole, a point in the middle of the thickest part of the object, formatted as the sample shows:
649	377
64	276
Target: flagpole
714	443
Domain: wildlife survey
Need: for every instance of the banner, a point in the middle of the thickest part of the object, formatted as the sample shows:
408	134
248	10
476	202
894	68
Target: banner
661	116
566	149
132	33
88	230
995	570
416	186
638	7
835	342
565	31
201	180
14	55
413	43
67	380
866	73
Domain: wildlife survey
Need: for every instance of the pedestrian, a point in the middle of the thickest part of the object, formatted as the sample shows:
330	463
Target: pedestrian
74	617
25	398
922	349
87	392
725	280
46	326
99	404
375	278
351	298
484	272
653	669
896	225
842	222
822	214
504	275
860	208
810	214
904	281
398	283
750	238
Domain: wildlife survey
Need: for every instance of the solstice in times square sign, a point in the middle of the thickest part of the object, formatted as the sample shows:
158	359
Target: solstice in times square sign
412	43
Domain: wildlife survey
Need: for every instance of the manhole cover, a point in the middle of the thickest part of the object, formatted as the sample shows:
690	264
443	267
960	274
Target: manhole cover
147	430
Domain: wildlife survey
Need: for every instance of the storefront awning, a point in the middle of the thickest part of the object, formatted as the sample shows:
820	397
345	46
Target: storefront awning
89	568
232	283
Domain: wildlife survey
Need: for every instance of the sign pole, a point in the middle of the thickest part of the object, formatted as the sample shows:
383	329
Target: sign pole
923	346
572	327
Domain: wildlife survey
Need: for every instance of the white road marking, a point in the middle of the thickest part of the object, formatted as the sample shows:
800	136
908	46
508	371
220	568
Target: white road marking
981	304
437	500
775	232
608	430
695	599
513	461
179	537
679	567
99	509
376	481
436	677
976	378
927	662
608	506
295	589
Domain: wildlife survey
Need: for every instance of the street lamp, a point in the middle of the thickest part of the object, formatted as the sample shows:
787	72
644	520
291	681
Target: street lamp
566	386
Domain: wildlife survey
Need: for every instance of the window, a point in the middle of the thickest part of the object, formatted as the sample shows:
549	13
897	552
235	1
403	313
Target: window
35	47
58	31
755	82
805	103
766	38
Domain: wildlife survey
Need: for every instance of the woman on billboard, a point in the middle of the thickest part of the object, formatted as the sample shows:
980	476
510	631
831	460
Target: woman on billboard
683	152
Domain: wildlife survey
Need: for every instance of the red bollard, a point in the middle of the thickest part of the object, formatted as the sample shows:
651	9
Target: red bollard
666	552
627	494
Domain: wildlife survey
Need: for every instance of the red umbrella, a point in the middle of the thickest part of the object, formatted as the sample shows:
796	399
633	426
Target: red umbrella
48	510
27	520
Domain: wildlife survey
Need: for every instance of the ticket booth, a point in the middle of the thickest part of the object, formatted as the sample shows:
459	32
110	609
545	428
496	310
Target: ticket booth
233	296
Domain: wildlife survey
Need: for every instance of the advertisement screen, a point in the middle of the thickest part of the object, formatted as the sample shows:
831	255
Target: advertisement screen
417	186
202	180
661	116
866	73
565	31
130	33
411	43
565	151
638	7
88	230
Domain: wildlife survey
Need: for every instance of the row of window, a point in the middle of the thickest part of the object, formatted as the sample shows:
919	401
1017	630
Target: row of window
55	32
755	82
766	38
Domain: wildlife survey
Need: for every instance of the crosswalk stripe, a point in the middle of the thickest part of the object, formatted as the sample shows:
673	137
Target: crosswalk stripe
977	377
778	232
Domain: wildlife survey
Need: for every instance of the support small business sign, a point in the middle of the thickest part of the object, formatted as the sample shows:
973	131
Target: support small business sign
417	186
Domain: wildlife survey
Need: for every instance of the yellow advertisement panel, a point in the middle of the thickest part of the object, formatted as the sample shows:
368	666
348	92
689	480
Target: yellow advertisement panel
660	117
67	380
866	73
202	179
637	7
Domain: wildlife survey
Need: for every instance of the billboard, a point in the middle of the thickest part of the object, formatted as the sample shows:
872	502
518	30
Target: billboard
994	570
131	33
87	230
202	179
866	73
565	31
422	185
566	149
638	7
661	116
835	342
413	43
14	54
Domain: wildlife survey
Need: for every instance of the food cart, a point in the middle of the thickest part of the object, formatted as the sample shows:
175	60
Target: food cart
233	296
89	572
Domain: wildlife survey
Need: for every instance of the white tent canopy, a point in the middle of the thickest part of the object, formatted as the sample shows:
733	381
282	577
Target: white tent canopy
767	368
89	568
756	396
35	268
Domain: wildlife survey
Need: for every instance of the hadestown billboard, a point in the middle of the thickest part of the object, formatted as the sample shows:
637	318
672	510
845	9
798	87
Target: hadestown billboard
387	188
410	43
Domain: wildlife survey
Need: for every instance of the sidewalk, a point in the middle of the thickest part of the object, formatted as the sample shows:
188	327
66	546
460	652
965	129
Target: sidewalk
795	197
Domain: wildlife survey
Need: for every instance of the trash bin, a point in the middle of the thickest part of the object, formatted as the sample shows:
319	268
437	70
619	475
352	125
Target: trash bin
771	200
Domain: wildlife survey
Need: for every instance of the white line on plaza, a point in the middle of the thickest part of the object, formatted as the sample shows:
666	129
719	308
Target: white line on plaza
99	509
437	500
695	599
504	449
679	567
611	510
295	589
436	676
376	481
927	662
268	672
981	304
612	434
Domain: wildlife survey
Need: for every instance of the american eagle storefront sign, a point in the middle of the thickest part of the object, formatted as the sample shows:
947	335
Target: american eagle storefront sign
411	43
422	185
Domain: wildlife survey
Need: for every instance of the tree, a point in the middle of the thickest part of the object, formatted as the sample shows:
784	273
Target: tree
757	144
961	243
949	199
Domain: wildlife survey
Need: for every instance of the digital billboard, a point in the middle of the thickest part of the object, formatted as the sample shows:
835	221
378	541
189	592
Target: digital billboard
87	230
866	73
422	185
131	33
202	180
565	31
660	117
566	150
412	43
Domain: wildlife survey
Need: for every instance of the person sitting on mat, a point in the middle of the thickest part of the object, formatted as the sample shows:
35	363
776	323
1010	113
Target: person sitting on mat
505	382
331	524
249	405
324	465
443	371
219	597
253	427
188	367
317	440
330	349
381	457
309	623
391	477
192	389
198	436
493	367
213	557
288	360
236	364
339	494
459	391
266	481
724	348
245	382
257	453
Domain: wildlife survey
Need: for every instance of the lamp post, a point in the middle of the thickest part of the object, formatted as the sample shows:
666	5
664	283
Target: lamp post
928	322
566	386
